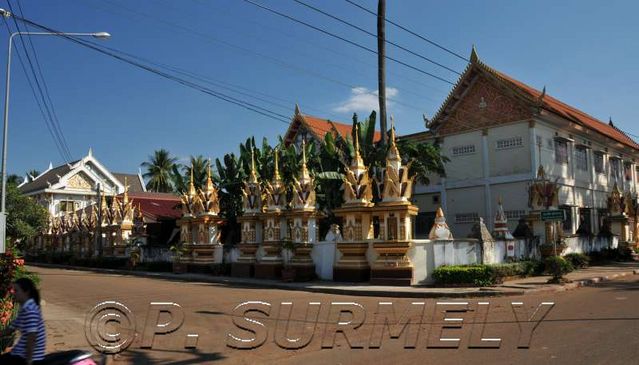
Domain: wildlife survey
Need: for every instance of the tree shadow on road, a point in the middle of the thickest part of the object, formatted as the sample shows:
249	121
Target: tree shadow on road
619	285
141	357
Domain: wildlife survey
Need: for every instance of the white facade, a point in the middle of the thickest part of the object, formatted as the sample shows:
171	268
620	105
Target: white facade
74	186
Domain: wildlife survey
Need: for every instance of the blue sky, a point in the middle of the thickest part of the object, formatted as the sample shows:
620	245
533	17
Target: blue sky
584	52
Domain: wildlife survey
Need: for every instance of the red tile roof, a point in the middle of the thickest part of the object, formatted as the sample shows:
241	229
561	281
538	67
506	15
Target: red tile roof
319	127
322	126
157	206
534	96
572	113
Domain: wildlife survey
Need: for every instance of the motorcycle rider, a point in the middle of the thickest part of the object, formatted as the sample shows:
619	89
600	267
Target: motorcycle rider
31	346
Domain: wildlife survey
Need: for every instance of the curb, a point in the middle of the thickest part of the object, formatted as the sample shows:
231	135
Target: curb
270	284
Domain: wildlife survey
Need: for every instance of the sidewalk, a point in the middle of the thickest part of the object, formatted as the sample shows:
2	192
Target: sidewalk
522	286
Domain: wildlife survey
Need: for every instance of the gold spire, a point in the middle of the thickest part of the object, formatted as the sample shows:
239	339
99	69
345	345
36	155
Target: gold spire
357	161
393	152
253	178
191	186
126	191
440	213
305	174
276	175
209	182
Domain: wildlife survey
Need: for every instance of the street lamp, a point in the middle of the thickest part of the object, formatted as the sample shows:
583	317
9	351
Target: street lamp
3	212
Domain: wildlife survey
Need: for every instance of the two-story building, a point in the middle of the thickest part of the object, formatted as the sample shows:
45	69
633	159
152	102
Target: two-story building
74	186
497	131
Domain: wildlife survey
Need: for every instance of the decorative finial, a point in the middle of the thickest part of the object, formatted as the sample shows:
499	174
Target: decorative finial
90	152
393	152
610	123
276	175
426	120
305	173
297	109
474	57
253	178
543	93
209	182
126	190
191	186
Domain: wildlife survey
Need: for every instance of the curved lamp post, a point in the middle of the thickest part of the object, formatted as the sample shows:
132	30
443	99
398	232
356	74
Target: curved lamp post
3	214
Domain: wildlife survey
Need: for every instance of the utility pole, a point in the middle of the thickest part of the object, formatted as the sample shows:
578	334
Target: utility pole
98	235
381	62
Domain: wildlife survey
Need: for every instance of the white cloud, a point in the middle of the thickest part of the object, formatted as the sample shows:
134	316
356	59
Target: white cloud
364	100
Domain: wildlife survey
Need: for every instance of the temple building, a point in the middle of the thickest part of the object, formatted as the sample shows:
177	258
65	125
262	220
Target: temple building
74	186
500	135
314	129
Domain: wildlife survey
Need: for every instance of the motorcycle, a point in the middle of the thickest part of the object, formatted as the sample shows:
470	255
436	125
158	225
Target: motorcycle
73	357
70	357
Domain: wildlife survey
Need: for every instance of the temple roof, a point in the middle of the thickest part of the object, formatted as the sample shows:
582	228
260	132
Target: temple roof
318	127
133	180
532	96
47	178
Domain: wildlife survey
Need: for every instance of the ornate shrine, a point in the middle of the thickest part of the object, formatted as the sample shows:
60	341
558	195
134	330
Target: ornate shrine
357	221
199	225
394	213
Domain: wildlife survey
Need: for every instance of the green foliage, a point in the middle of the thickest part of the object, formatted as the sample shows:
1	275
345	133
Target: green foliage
518	268
484	275
578	260
25	217
476	275
425	159
159	171
557	266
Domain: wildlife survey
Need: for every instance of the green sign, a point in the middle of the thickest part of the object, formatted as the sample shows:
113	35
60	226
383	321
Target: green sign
553	215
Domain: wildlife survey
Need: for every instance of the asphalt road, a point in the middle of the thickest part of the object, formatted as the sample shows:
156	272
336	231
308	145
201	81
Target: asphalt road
593	325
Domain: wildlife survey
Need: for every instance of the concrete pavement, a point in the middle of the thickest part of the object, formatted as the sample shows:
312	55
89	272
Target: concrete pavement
593	325
579	278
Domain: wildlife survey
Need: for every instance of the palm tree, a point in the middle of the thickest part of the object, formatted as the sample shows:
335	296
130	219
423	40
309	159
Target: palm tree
181	174
158	171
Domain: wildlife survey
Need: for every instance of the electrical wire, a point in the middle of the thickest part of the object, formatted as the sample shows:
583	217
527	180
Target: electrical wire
347	41
46	100
411	32
375	36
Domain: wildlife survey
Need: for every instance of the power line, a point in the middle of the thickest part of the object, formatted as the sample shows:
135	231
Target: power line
347	41
44	83
284	64
412	32
48	108
244	104
374	35
37	100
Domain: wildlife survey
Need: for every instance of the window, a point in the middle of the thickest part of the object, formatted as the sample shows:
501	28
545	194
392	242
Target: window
581	159
568	221
466	217
614	168
561	151
508	143
585	221
599	162
514	214
67	206
627	171
463	150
